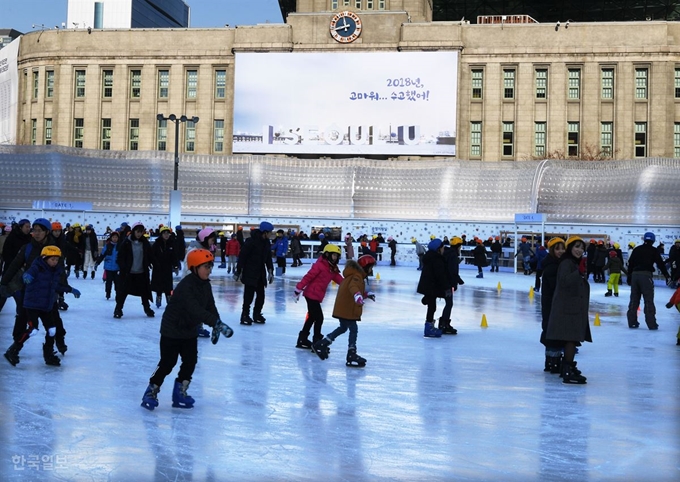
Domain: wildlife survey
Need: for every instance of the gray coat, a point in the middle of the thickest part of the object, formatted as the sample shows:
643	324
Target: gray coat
569	313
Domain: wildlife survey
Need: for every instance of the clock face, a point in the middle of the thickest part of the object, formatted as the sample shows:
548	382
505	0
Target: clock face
345	27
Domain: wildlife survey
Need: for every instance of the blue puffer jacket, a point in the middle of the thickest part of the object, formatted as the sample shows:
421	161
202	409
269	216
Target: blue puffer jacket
280	247
41	294
109	256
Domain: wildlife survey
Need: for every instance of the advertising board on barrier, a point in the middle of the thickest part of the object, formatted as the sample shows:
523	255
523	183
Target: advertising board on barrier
354	103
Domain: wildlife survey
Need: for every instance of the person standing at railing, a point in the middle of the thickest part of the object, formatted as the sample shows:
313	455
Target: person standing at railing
496	251
392	244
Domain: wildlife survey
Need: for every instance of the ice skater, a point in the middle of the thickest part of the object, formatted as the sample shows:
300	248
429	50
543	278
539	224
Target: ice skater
615	267
109	256
255	269
553	349
314	285
434	283
348	309
191	305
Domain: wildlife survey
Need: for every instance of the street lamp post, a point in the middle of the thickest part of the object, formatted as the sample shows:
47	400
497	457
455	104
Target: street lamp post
175	194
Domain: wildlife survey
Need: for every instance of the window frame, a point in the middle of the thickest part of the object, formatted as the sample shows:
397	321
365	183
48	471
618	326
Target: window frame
78	132
540	138
218	139
191	91
676	140
107	83
163	91
133	134
574	83
49	84
80	83
220	84
641	83
105	134
189	136
162	135
642	135
477	84
34	132
607	148
538	80
135	83
508	139
573	148
36	84
604	80
47	133
509	83
476	138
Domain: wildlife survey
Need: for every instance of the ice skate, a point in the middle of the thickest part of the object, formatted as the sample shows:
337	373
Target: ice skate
159	300
150	397
180	397
303	341
203	333
149	312
259	319
246	319
62	305
571	375
61	345
616	294
446	328
321	348
480	275
49	356
12	353
77	274
117	313
430	331
222	265
354	360
609	293
92	274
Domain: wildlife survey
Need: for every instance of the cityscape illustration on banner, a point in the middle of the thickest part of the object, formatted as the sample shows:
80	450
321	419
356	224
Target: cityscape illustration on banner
363	103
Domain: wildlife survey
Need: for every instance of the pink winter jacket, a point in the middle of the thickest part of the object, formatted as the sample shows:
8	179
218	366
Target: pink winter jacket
315	282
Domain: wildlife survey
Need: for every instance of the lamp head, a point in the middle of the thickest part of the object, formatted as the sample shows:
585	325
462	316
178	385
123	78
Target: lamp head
160	117
172	117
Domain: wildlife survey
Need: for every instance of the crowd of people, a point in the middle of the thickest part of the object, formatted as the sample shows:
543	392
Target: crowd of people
39	257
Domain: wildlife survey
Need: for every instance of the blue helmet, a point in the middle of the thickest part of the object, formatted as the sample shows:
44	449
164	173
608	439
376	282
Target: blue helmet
178	227
649	236
44	223
321	235
435	244
265	226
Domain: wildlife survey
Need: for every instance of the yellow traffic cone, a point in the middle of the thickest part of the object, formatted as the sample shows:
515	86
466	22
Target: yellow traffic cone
333	284
377	277
531	292
499	286
484	323
597	319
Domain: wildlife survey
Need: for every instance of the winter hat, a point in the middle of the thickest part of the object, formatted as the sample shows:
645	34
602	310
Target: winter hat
435	244
265	226
136	225
390	238
23	221
233	236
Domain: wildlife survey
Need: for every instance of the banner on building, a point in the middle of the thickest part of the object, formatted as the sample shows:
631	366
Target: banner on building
353	103
9	92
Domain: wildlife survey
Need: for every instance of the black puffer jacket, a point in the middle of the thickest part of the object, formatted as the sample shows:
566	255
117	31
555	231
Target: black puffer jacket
255	260
434	279
15	240
191	304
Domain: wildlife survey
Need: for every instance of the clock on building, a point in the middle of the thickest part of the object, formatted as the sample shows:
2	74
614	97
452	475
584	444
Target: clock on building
345	27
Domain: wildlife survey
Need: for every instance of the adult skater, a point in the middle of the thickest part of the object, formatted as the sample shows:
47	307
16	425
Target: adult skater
255	269
134	260
434	283
553	349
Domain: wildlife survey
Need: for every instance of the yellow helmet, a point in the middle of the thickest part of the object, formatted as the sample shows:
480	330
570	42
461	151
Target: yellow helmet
163	229
76	225
50	251
554	241
414	240
332	248
617	245
432	236
455	241
573	239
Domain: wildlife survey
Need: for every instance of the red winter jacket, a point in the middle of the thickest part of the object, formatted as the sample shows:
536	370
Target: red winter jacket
233	247
317	279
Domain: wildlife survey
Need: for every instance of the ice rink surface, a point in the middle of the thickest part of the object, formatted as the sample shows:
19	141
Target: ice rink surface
472	407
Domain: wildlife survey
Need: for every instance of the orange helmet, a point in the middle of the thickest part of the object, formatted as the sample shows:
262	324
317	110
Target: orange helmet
56	225
198	257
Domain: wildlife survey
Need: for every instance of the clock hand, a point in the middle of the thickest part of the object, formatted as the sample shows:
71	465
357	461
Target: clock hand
341	27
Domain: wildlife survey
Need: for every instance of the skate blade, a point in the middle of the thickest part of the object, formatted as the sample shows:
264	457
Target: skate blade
182	405
12	362
149	406
355	365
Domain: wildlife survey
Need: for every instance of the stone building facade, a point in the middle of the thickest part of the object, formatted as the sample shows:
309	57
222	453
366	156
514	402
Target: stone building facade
523	90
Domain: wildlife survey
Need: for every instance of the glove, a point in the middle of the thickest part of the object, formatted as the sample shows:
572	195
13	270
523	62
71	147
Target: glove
371	295
236	276
28	279
358	299
296	295
582	266
220	329
52	331
270	278
75	292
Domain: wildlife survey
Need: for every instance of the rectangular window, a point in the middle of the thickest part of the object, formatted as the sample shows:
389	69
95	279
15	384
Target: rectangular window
676	140
135	84
677	83
134	135
106	135
49	84
640	139
641	83
107	84
192	83
80	84
475	139
539	139
218	136
381	4
190	136
607	138
334	4
35	84
163	83
572	139
508	84
48	132
78	132
477	83
369	4
607	83
34	131
357	4
26	91
220	84
345	3
162	135
541	83
574	84
508	138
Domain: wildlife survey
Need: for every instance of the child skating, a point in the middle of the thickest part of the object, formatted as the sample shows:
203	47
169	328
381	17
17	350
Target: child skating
348	309
190	305
314	285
